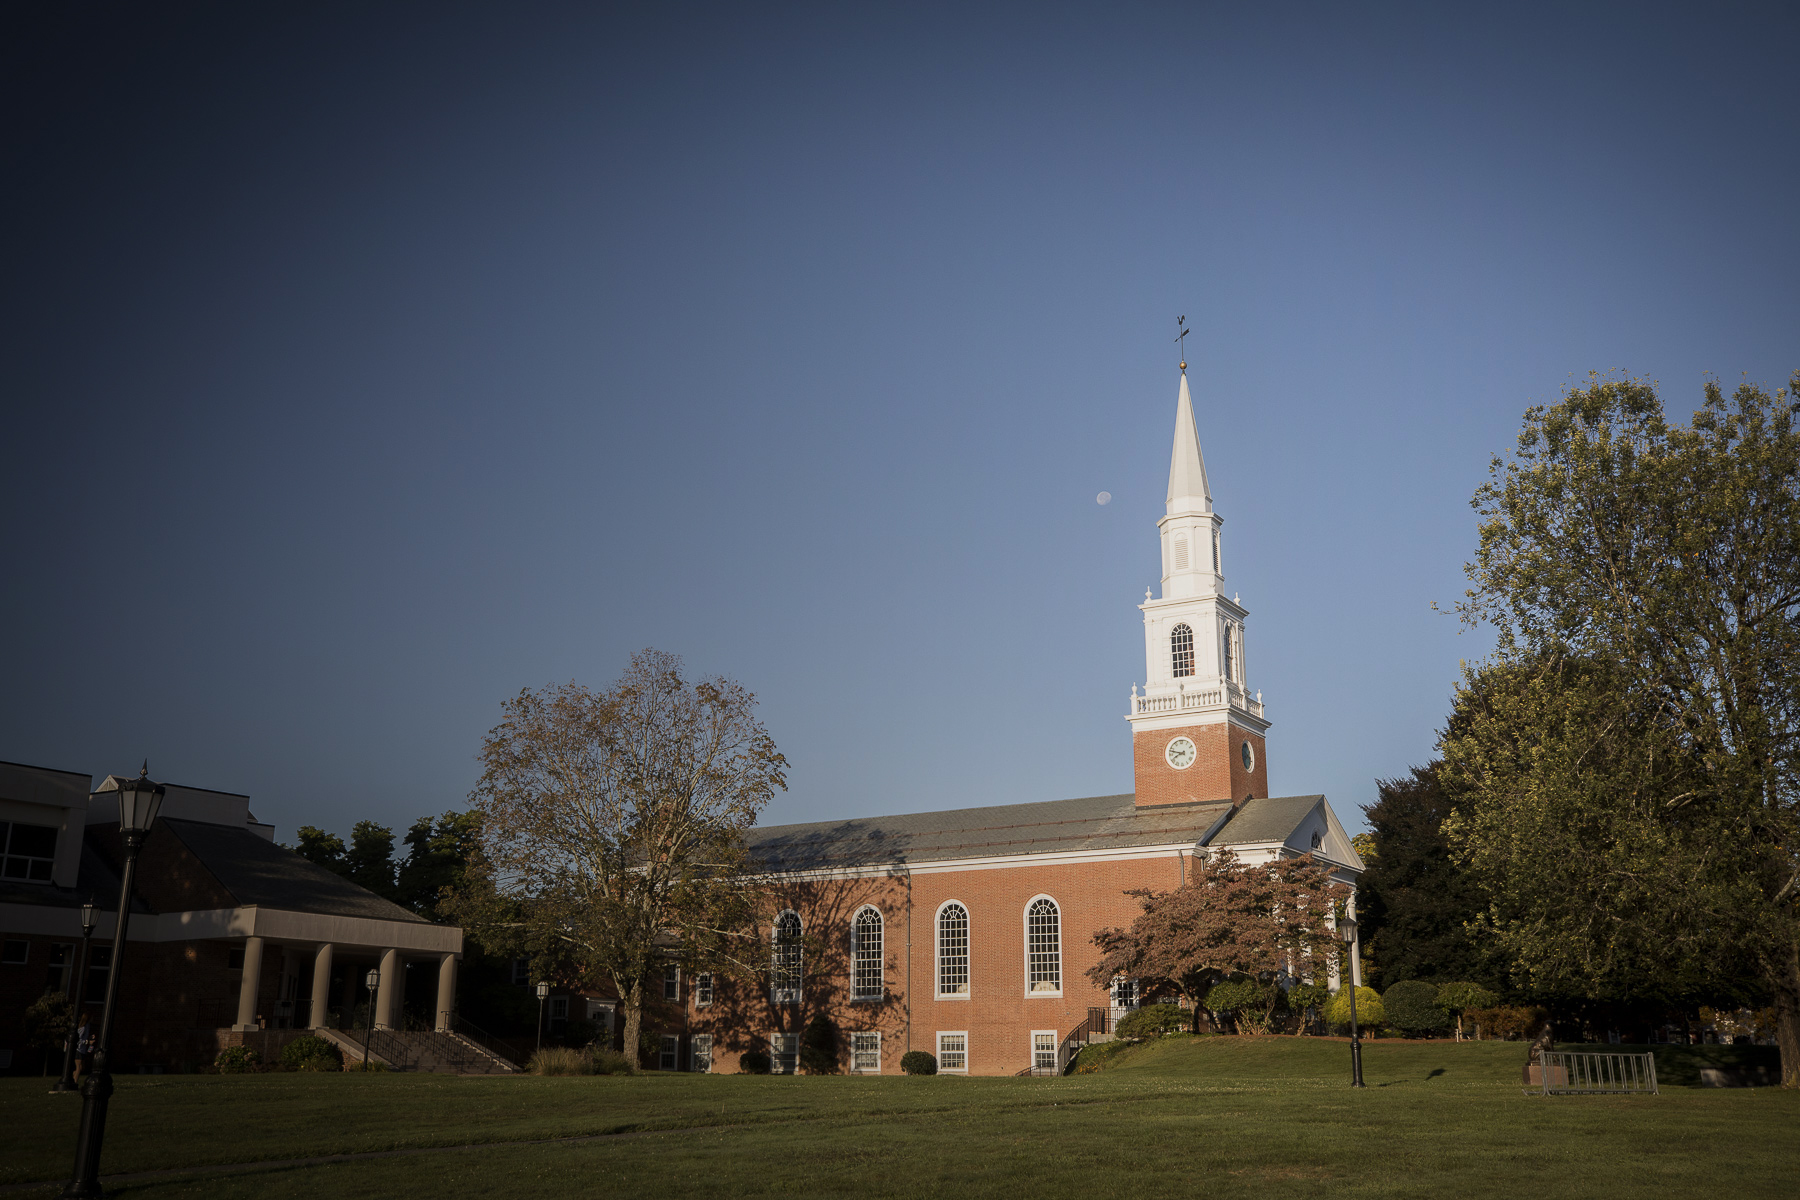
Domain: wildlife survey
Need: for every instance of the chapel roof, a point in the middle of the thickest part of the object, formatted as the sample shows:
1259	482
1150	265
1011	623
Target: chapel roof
1048	827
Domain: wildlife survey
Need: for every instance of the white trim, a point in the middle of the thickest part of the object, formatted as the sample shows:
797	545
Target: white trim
865	1033
776	1054
700	1049
1055	1040
964	1035
881	955
937	953
778	994
1025	918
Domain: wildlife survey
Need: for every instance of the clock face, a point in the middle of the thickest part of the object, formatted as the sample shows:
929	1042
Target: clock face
1180	753
1249	756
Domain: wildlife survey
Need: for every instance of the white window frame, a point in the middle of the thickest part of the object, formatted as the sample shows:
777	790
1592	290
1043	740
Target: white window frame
857	1052
700	1053
784	1051
1026	917
859	953
937	956
668	1057
703	990
953	1033
777	993
1037	1048
671	983
559	1009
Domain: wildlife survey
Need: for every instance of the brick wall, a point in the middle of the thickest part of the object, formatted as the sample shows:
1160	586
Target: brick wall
1216	774
998	1014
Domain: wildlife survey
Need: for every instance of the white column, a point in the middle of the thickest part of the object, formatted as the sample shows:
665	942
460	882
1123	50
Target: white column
446	996
387	996
321	989
246	1014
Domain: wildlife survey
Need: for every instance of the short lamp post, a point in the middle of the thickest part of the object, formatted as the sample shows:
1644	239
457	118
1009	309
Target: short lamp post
1346	927
543	994
371	981
77	972
139	799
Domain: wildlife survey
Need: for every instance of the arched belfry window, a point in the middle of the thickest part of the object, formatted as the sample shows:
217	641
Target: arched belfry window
1181	650
785	964
953	950
865	955
1225	652
1043	946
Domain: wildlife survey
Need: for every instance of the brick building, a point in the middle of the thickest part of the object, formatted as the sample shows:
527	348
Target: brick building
232	937
968	933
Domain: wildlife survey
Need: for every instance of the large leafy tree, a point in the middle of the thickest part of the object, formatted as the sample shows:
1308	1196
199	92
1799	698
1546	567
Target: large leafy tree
1229	917
612	829
1628	760
1414	901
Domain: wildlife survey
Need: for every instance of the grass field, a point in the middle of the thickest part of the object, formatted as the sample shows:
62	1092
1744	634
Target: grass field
1212	1116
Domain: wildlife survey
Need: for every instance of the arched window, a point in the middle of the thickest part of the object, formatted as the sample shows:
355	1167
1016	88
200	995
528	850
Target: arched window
1043	946
1181	650
953	950
785	964
1215	541
865	955
1225	655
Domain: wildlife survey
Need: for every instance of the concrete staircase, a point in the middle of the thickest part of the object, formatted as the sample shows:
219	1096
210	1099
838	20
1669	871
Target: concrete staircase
424	1051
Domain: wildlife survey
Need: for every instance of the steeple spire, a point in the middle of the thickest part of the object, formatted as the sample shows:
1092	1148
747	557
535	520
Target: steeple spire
1188	489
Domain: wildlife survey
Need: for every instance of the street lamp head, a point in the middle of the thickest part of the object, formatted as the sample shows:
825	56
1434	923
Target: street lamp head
373	978
543	990
87	919
139	799
1346	929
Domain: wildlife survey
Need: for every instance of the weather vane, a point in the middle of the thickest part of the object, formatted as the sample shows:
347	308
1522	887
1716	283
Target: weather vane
1181	324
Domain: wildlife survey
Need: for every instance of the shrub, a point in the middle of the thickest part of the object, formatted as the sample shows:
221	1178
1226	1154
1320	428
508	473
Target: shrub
819	1047
1369	1011
918	1062
1411	1007
310	1053
1461	998
1154	1020
237	1060
1506	1022
755	1062
611	1062
560	1060
371	1065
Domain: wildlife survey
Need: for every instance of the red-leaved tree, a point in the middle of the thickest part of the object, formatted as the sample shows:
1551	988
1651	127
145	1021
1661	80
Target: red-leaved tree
1229	917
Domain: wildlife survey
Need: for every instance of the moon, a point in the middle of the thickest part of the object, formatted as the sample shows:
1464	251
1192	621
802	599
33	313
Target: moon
1103	498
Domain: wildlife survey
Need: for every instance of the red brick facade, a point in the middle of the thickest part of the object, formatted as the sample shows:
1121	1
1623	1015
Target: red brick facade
997	1013
1217	772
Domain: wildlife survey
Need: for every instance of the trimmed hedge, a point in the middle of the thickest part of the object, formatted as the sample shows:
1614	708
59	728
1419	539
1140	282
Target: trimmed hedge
1369	1010
1155	1020
1411	1007
918	1062
310	1053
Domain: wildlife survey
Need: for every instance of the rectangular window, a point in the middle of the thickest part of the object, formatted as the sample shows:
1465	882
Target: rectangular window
1124	992
521	969
27	852
865	1053
559	1011
703	996
671	983
99	963
700	1053
953	1052
62	961
784	1051
670	1058
1181	555
1043	1052
14	954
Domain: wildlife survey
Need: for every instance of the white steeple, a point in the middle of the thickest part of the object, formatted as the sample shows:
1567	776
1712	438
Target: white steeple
1194	631
1188	489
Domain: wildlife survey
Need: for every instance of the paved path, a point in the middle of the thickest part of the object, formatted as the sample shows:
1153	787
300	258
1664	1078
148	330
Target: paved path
284	1164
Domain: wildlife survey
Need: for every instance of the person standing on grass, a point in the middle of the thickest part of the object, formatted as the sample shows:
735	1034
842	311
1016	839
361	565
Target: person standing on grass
84	1046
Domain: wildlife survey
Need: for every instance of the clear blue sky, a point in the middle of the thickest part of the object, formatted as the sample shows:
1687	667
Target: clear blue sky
366	364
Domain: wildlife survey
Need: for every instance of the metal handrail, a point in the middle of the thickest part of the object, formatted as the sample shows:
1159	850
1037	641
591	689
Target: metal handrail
464	1027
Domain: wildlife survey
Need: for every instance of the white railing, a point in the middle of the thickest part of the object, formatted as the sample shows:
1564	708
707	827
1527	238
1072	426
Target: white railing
1210	698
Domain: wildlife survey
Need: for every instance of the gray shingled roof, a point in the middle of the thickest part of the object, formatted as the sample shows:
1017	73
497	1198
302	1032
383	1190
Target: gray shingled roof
256	871
1052	827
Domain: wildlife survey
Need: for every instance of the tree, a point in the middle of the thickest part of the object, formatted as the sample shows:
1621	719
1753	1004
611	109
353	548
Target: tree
1629	757
49	1023
1414	901
317	846
369	862
1411	1006
436	856
1228	918
611	829
1457	998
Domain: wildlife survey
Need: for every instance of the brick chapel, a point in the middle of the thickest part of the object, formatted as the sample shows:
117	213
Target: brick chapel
968	933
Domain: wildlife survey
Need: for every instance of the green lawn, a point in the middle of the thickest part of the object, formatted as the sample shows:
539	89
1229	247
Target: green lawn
1212	1116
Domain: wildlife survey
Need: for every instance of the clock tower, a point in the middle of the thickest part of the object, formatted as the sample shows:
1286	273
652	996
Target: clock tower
1196	729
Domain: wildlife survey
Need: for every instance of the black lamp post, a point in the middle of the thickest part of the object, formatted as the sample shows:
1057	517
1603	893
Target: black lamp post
1346	927
372	980
543	993
77	971
139	800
